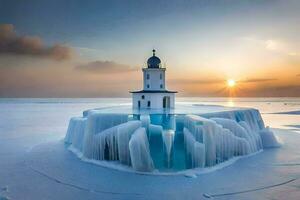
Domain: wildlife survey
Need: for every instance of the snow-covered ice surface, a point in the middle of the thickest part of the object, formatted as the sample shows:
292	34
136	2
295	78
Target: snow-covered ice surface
35	164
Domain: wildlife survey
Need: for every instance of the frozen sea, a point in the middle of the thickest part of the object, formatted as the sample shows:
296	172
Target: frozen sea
34	164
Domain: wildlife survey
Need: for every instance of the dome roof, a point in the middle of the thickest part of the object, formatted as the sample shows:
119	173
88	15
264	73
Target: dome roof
153	62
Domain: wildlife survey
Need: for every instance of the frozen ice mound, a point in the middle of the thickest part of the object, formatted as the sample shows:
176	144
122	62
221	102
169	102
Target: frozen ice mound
242	130
269	140
251	116
168	142
215	142
75	132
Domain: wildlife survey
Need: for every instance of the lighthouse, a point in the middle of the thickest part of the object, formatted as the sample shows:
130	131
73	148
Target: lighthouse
154	94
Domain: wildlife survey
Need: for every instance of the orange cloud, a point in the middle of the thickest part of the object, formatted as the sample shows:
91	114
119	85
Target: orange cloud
105	67
196	81
256	80
11	43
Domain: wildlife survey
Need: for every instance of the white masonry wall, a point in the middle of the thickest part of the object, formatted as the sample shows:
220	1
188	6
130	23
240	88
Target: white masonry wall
156	78
156	100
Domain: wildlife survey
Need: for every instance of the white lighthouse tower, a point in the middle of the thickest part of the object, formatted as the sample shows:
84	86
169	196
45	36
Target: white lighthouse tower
154	94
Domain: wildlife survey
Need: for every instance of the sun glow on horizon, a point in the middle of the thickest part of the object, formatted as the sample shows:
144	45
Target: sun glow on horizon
231	83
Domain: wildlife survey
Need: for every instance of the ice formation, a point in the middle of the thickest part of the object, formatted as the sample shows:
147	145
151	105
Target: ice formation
139	151
75	132
169	141
268	138
125	131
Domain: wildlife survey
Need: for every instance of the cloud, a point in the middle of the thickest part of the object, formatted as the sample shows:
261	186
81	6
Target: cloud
105	67
195	81
256	80
217	81
274	45
11	43
294	54
274	91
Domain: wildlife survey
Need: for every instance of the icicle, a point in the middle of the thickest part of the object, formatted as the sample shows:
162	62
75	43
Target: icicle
98	122
139	151
125	132
195	151
168	138
145	119
199	155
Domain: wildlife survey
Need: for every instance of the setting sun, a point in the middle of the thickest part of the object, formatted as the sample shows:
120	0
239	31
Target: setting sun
231	83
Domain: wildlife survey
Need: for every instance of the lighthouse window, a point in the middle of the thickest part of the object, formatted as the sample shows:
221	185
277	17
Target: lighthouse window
143	97
161	86
149	103
160	76
148	76
148	86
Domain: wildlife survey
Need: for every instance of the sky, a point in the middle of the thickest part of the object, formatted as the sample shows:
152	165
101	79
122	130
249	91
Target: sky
72	48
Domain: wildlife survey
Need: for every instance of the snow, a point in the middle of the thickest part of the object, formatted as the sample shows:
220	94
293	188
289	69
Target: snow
227	179
294	112
35	164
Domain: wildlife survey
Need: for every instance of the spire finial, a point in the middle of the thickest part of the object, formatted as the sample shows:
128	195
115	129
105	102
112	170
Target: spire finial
153	52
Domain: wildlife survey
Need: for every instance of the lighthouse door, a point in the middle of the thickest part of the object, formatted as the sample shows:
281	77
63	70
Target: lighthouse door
166	102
